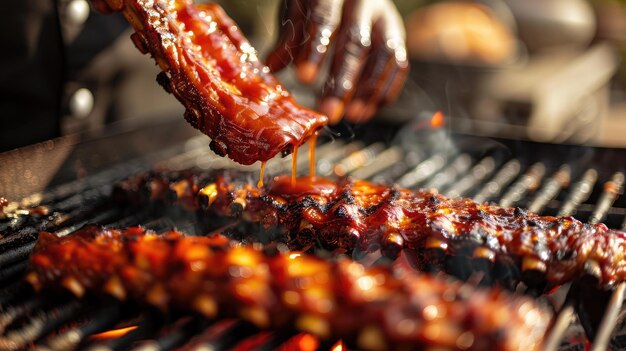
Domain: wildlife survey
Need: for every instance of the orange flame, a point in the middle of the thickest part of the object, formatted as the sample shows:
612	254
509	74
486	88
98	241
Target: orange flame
338	346
437	120
114	333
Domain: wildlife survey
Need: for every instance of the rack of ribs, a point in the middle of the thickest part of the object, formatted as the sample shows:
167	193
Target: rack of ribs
508	245
210	67
375	308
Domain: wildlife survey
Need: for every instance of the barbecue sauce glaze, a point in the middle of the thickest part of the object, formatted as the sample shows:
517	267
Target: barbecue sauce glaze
291	189
374	308
348	215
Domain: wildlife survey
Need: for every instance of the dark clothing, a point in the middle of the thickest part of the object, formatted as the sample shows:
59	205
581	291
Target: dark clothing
31	72
43	55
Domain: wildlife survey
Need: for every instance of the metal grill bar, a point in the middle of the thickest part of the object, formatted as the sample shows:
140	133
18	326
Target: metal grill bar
383	161
14	312
358	159
374	161
566	313
41	325
580	193
477	175
103	178
562	322
410	160
185	329
505	175
551	189
228	338
326	163
99	321
16	255
10	273
17	240
11	293
528	182
609	320
423	171
612	190
460	165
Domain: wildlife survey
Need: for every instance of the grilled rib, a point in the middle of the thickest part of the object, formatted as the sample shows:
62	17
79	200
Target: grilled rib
512	244
210	67
372	308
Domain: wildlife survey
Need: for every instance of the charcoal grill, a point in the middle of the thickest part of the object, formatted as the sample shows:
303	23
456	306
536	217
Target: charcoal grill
586	182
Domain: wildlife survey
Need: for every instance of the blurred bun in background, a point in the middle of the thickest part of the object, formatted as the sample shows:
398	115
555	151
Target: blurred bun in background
459	32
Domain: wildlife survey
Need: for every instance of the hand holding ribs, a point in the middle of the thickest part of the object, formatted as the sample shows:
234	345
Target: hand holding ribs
210	67
372	308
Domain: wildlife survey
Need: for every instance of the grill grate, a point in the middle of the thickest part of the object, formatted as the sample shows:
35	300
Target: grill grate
588	189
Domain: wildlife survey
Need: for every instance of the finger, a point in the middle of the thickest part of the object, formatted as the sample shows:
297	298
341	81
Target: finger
377	91
384	74
353	44
102	6
396	83
376	67
380	84
395	40
321	25
112	5
292	25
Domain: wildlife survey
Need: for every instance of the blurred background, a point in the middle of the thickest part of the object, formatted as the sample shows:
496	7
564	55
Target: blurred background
545	70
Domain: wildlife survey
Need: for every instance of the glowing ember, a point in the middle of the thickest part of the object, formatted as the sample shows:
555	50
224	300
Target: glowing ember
114	333
437	120
300	342
307	342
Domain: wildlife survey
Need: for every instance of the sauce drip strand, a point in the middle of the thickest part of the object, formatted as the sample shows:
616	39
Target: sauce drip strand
294	165
312	144
261	175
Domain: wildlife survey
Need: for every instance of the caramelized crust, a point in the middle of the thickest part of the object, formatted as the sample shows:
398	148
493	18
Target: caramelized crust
509	244
213	71
372	308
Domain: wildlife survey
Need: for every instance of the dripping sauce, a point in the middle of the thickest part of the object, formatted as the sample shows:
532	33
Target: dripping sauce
312	144
261	175
294	165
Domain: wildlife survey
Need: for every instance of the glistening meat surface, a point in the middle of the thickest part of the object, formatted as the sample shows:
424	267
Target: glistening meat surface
214	72
372	308
510	244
